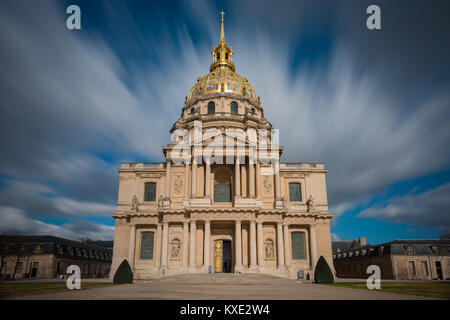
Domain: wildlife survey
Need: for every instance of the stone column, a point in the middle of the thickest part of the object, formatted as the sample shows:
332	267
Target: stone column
312	240
251	179
286	245
168	166
192	244
277	180
252	244
132	245
260	244
158	245
194	178
208	178
165	244
237	174
280	245
238	241
207	244
185	243
257	179
186	181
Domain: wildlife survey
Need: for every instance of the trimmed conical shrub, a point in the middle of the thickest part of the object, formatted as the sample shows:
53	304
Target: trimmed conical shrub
123	273
323	273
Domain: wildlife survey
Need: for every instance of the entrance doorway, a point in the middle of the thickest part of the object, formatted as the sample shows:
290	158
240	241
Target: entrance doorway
222	256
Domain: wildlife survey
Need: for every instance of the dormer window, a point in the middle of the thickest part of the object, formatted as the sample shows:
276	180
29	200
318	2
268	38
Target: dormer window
409	249
434	249
192	110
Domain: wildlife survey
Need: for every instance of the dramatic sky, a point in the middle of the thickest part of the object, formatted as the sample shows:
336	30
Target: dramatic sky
373	105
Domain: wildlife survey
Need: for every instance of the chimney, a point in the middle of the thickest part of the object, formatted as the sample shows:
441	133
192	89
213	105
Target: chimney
343	239
362	241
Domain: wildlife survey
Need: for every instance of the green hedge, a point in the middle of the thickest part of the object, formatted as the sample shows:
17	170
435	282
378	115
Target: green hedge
322	273
123	273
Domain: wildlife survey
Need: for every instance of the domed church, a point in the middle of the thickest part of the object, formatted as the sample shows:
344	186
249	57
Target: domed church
236	209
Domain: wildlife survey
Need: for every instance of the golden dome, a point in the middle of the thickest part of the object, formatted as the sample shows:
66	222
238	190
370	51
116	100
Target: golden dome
222	76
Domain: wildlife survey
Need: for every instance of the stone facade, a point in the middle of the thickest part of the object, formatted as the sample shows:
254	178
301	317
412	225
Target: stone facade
233	215
47	257
399	259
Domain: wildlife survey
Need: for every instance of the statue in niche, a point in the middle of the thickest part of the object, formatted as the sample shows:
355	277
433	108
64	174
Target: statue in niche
134	203
267	184
269	249
310	204
174	253
178	185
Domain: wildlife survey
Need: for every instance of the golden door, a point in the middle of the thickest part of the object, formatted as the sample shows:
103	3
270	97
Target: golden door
218	255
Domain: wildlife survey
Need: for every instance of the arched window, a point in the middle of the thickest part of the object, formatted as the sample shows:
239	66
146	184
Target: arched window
234	108
253	111
150	191
222	185
298	245
192	110
147	239
222	192
295	194
211	108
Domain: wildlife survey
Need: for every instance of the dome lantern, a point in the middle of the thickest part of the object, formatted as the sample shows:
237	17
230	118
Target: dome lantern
222	55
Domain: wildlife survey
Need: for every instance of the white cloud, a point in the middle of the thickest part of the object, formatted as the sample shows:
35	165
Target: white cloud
430	208
74	98
334	237
15	221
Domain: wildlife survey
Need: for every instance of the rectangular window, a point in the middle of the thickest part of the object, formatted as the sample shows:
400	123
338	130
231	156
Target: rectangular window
298	245
295	192
425	268
412	268
150	192
147	245
19	267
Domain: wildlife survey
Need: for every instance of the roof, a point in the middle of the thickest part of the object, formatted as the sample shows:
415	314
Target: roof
349	249
53	240
345	245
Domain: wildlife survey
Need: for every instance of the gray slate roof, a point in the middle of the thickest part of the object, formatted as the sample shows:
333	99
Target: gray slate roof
350	249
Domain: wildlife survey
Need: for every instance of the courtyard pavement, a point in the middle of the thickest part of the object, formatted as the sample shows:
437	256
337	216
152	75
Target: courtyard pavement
223	287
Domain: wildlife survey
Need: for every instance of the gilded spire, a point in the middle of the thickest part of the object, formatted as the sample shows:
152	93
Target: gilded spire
222	55
222	30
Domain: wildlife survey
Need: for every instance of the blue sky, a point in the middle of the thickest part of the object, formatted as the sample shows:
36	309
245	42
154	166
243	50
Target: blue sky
374	106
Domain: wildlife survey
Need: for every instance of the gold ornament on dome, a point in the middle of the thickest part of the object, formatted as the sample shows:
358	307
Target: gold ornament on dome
222	76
